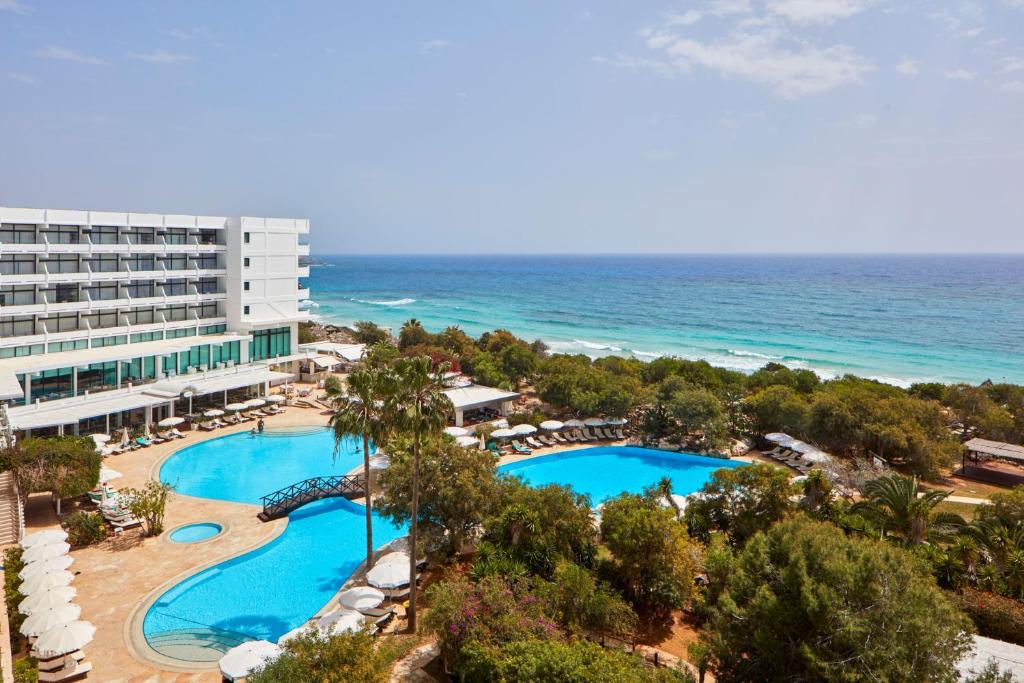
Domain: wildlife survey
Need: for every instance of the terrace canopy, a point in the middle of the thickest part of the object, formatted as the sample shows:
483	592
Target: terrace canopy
981	450
477	396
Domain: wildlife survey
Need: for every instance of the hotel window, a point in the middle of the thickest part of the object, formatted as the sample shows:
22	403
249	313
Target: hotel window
208	237
141	235
65	322
270	343
247	285
62	234
139	262
103	234
17	265
20	351
73	345
68	294
103	264
168	363
175	262
109	341
245	310
246	262
17	233
205	310
205	261
141	316
247	238
102	320
212	329
17	326
97	377
102	292
49	385
141	290
175	287
131	370
146	337
207	285
197	357
17	296
63	264
176	236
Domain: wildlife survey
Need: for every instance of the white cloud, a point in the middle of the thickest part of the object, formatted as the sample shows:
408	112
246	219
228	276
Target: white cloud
1012	65
687	18
21	78
722	8
435	45
973	33
622	61
959	75
908	67
68	55
14	6
1013	86
817	11
764	53
162	57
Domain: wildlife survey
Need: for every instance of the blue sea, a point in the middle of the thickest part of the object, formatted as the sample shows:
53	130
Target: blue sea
899	319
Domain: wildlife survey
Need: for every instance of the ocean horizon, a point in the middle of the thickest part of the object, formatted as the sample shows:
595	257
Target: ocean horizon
898	318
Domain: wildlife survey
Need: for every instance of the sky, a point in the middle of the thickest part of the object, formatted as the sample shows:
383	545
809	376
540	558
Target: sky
531	126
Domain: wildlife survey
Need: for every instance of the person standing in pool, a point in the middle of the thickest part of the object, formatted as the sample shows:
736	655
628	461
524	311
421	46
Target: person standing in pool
259	425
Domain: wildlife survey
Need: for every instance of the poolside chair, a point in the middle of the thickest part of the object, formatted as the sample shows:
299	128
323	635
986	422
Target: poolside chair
572	437
619	435
493	448
547	440
99	495
520	448
587	435
559	438
607	434
533	443
143	441
70	670
773	453
206	426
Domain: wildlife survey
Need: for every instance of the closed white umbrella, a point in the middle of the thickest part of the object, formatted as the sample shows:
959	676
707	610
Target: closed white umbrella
44	537
44	582
213	412
456	431
100	439
617	421
170	421
58	595
389	575
107	474
524	429
594	422
552	424
255	403
235	406
242	660
61	640
45	552
275	398
43	620
467	441
54	564
360	598
573	424
342	621
503	433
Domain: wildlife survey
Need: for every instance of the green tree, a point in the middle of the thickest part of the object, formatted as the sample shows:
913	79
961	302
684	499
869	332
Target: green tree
805	602
148	504
65	466
583	605
742	501
777	408
699	410
381	355
897	507
363	411
1006	506
977	410
653	559
517	362
1002	548
412	334
370	333
343	658
422	409
457	490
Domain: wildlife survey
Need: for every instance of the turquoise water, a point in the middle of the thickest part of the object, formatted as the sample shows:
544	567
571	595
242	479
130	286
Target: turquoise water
243	467
896	318
269	591
608	471
193	533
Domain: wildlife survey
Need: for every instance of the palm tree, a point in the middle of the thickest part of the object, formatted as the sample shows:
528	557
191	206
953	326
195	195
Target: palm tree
423	409
1003	546
817	490
362	411
898	506
664	490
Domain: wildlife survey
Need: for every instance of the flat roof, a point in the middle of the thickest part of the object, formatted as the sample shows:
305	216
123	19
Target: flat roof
1008	656
71	410
996	449
350	352
477	396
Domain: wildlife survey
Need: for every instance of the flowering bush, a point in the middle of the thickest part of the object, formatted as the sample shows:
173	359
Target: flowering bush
995	616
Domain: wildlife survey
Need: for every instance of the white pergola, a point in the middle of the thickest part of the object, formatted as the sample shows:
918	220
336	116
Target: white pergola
477	396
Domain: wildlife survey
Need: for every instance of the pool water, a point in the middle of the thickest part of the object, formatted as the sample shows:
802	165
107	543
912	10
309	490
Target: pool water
606	471
243	467
193	533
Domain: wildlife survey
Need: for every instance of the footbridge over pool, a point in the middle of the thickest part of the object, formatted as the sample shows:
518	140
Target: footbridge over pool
280	503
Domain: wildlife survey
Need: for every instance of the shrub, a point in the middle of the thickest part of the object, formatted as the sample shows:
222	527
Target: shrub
148	504
13	565
84	528
995	616
369	333
26	670
344	658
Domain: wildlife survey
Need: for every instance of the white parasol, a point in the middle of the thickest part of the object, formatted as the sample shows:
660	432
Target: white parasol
360	598
502	434
54	564
107	474
235	406
389	575
170	422
552	424
44	537
242	660
573	424
594	422
524	429
58	595
342	621
255	403
45	552
467	441
45	619
456	431
617	421
44	582
275	398
213	412
61	640
100	439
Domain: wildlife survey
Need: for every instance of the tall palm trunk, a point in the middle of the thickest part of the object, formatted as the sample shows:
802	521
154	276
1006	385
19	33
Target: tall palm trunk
369	508
412	529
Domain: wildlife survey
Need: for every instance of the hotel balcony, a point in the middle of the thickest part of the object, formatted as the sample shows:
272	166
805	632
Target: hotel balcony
42	276
122	329
303	250
125	246
303	293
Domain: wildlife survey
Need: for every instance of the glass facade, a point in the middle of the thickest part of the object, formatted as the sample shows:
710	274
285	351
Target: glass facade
270	343
96	377
19	351
53	384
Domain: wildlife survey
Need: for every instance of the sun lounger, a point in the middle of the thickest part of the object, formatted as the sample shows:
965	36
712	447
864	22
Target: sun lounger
572	437
520	448
55	663
143	441
72	670
218	424
607	434
588	436
206	426
547	440
176	434
559	438
533	443
99	495
493	448
619	435
773	453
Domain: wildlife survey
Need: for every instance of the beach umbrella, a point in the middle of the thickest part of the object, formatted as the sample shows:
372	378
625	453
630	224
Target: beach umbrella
235	407
45	619
617	421
360	598
381	461
503	433
342	621
389	575
44	537
456	431
170	422
524	429
779	438
594	422
60	640
294	633
573	424
817	456
467	441
242	660
213	412
552	424
107	474
394	557
58	595
45	552
801	447
276	398
500	424
255	403
54	564
44	582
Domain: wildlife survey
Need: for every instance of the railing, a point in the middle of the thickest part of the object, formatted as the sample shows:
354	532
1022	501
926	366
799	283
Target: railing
280	503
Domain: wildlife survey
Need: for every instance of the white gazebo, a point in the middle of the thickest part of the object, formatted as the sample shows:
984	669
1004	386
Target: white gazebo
477	396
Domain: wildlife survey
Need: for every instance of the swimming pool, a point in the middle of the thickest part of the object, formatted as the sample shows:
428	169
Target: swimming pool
607	471
277	587
193	533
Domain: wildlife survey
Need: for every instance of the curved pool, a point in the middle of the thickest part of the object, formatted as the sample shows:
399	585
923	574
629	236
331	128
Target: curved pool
606	471
193	533
277	587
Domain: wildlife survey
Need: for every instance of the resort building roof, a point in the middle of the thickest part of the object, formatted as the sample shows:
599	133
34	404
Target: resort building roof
1008	656
478	396
995	449
350	352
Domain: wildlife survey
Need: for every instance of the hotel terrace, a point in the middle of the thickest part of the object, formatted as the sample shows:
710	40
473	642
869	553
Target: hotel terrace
114	319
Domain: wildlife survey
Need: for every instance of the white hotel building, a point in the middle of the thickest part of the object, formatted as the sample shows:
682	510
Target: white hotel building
111	319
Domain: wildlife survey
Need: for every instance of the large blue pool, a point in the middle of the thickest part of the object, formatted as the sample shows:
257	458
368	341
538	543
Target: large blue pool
607	471
277	587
